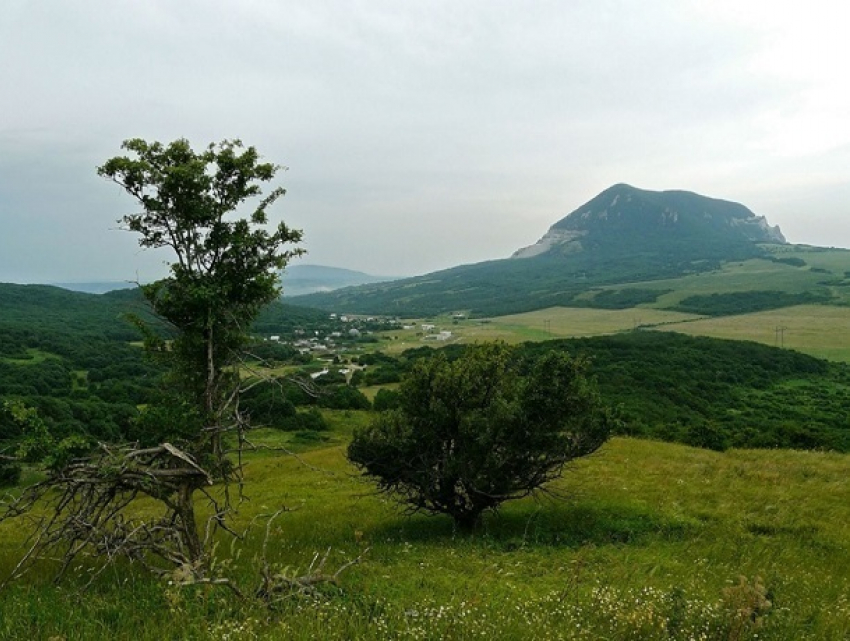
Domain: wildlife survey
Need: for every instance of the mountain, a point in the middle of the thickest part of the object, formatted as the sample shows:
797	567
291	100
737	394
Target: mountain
627	219
624	235
306	279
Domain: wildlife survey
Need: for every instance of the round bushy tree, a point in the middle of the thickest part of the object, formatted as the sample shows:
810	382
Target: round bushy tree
487	427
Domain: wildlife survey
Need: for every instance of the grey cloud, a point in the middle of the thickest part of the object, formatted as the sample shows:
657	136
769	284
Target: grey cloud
419	135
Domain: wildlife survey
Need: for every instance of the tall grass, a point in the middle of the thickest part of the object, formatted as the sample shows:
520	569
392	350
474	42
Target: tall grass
647	541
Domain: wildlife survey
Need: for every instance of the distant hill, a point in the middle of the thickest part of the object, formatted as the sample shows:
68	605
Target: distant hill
297	280
96	287
47	310
623	236
306	279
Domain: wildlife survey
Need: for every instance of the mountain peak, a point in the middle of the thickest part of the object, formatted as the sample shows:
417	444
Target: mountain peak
624	216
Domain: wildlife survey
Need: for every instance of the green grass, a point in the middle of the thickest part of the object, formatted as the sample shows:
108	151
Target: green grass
540	325
34	356
745	276
648	543
819	330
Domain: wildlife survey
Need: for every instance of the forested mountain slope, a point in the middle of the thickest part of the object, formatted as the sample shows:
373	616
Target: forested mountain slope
623	236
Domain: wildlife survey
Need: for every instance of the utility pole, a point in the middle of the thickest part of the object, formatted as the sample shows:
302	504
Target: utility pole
779	340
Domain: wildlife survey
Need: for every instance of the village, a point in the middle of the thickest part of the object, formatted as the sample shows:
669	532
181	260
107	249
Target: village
334	346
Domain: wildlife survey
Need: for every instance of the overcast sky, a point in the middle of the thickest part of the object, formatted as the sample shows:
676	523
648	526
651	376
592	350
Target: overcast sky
420	135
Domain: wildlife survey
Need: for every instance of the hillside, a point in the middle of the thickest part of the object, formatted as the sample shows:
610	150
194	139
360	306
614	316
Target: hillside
622	237
651	541
76	358
49	310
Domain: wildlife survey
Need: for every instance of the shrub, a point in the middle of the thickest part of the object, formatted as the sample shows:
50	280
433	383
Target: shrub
343	397
477	431
10	473
386	399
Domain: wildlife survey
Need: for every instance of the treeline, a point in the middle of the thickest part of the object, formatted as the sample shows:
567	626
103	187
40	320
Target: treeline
91	377
718	394
46	310
732	303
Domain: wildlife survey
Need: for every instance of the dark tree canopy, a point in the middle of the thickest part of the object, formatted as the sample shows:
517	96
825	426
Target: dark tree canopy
472	433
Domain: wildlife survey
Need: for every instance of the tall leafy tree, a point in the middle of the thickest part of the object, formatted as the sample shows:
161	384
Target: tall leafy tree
225	269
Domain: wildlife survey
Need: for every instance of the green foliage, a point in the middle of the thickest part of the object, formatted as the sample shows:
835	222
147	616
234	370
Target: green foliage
510	286
626	298
82	377
36	444
649	545
386	399
266	403
730	303
794	261
718	393
10	473
707	392
309	420
477	431
224	272
169	417
343	397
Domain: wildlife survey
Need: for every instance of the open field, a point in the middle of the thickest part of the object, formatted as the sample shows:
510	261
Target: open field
819	330
826	271
33	357
751	275
651	542
566	322
541	325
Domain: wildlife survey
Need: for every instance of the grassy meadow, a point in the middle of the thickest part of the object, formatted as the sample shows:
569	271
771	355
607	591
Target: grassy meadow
646	541
540	325
819	330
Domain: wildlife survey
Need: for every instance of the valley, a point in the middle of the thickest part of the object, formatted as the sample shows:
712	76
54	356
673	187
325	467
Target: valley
717	510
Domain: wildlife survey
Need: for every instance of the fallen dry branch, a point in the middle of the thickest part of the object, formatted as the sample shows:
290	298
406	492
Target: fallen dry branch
85	506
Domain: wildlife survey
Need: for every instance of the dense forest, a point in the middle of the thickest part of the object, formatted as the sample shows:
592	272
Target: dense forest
700	391
78	360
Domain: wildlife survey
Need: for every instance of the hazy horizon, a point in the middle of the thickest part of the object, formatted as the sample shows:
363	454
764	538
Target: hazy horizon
420	136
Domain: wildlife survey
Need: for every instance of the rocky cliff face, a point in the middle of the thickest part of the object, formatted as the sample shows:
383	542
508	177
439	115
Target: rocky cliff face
623	215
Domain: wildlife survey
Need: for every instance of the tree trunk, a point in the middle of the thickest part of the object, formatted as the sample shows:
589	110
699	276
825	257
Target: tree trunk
188	527
467	521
